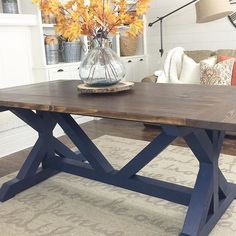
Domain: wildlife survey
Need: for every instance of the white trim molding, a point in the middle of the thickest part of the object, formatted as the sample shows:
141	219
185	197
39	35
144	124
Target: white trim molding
17	19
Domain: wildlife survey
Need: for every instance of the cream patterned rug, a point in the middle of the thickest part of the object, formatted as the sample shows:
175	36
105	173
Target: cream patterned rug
72	206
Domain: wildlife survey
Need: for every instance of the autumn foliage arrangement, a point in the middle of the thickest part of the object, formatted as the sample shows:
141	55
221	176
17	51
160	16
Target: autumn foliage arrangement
95	18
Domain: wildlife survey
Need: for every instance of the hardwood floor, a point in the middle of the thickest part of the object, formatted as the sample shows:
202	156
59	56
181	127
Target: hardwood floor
97	128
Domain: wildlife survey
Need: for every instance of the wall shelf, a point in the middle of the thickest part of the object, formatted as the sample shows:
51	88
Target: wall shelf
136	66
18	19
47	25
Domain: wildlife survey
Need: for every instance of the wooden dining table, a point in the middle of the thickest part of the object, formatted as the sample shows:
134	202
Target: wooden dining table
199	114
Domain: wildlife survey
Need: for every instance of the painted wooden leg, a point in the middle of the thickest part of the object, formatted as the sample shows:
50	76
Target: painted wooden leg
15	186
30	173
200	202
212	194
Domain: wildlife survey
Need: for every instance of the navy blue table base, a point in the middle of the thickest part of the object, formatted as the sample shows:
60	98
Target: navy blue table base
206	202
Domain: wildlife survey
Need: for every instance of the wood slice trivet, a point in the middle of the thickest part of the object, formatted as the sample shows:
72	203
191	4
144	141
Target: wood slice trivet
122	86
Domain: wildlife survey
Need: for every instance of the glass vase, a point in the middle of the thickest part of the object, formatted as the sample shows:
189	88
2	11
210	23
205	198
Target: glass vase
102	67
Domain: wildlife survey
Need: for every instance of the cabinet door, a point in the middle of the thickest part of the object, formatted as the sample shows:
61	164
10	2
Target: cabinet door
15	59
140	69
15	66
129	70
136	69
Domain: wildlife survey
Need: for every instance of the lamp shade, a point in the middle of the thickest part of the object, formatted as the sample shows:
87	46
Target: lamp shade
210	10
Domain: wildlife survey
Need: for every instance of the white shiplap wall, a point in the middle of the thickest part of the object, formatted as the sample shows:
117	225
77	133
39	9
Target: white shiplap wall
181	29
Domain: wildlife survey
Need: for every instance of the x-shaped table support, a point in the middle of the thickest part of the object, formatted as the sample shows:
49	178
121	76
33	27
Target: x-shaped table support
206	202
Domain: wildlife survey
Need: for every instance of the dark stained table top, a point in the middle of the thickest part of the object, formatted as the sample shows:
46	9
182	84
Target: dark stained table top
184	105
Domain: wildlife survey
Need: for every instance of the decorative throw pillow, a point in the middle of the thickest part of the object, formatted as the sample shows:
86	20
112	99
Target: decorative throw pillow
219	74
223	58
190	73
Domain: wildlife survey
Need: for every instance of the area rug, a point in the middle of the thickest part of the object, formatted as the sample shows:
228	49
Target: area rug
72	206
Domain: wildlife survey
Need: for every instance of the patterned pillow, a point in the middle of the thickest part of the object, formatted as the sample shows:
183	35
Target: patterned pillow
219	74
223	58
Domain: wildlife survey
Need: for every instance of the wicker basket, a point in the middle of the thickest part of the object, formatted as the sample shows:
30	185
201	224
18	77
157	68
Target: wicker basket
128	46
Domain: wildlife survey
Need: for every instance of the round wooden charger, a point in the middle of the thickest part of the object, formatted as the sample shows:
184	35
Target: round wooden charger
122	86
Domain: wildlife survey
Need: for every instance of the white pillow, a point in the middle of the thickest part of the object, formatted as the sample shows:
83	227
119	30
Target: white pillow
190	73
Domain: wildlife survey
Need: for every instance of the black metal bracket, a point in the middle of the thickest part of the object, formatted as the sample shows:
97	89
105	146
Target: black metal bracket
160	19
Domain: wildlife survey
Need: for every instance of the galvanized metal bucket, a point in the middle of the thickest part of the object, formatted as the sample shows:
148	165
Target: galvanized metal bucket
52	53
71	51
10	6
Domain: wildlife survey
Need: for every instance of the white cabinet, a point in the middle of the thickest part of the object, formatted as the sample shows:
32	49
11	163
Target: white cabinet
136	70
